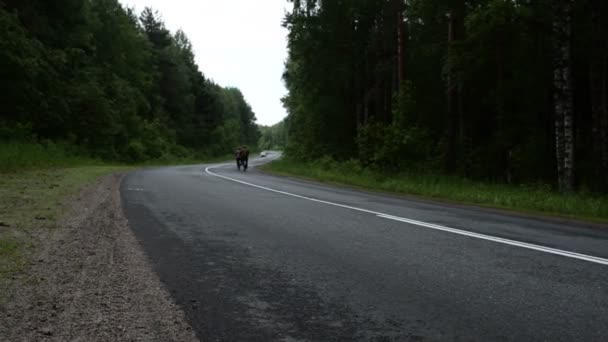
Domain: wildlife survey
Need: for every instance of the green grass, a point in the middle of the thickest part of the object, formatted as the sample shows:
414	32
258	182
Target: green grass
185	161
524	198
27	156
8	247
35	199
21	156
36	180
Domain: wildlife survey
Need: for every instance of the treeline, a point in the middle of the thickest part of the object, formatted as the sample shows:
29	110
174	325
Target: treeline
121	86
273	137
508	91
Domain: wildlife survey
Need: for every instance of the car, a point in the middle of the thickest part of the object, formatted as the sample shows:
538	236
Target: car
263	154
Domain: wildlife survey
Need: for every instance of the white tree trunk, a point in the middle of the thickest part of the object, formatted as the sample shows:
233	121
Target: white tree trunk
563	102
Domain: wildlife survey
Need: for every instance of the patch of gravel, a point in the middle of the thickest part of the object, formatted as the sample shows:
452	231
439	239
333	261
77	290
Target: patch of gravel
91	281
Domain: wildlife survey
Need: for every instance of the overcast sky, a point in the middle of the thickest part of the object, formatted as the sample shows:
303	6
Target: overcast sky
238	43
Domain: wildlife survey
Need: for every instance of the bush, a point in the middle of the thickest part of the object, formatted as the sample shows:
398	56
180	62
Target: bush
15	132
179	151
136	151
18	156
390	148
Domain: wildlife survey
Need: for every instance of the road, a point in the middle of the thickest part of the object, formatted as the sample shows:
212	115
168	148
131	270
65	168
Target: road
255	257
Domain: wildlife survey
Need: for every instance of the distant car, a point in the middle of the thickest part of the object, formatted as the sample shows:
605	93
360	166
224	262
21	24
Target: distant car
263	154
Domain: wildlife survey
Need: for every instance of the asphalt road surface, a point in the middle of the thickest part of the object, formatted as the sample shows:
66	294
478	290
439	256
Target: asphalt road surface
255	257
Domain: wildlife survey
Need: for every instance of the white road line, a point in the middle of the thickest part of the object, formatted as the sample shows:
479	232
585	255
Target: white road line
539	248
568	254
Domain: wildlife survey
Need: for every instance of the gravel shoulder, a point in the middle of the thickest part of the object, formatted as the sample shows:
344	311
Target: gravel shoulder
89	280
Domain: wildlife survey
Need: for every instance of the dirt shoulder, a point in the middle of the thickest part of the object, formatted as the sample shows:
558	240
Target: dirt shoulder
89	280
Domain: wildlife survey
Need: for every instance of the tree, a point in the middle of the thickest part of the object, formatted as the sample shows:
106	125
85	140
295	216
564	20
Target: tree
503	95
93	74
563	101
273	137
598	74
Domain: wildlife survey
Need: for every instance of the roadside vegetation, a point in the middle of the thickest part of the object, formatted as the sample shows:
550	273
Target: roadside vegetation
89	88
35	199
492	102
273	137
37	181
20	156
510	92
17	157
95	80
532	198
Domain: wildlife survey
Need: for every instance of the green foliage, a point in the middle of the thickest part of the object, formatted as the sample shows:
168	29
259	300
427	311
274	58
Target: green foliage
390	147
273	137
17	132
463	87
94	75
25	156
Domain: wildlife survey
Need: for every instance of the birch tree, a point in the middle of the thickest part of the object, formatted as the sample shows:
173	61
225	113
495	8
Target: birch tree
562	97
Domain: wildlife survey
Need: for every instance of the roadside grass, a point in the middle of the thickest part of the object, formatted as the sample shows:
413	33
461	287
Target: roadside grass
19	156
35	199
532	199
185	161
35	182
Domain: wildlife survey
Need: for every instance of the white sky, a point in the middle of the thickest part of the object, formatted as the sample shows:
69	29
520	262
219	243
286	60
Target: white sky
238	43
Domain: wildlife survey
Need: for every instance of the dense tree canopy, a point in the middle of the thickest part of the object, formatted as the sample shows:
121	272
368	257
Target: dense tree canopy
273	137
502	90
122	86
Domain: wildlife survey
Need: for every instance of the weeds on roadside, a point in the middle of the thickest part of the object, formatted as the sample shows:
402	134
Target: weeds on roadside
19	156
525	198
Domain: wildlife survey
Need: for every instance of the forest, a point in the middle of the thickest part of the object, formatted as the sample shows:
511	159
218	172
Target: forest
111	83
503	91
273	137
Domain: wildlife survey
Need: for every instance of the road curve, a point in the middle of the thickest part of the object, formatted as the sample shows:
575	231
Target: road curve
254	257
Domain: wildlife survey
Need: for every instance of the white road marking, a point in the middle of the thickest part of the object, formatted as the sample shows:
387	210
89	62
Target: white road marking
556	251
539	248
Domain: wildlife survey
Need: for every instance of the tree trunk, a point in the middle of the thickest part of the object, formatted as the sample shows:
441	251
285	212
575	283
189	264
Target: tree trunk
603	122
562	98
455	116
401	43
451	121
500	105
599	109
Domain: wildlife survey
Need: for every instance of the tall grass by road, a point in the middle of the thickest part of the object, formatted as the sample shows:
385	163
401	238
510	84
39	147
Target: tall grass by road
523	198
19	156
